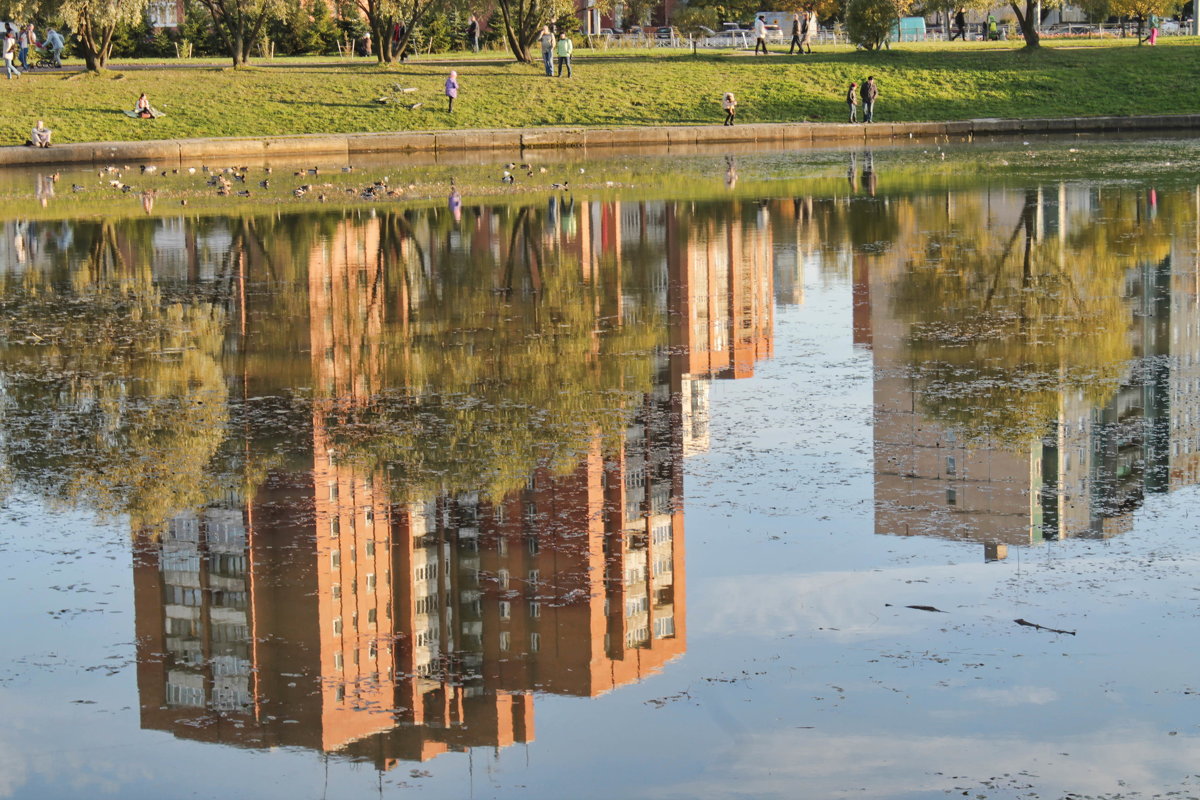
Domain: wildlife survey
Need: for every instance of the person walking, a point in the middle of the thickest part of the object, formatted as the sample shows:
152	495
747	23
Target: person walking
451	90
852	101
795	36
55	44
808	29
473	34
9	49
547	41
24	40
760	34
960	25
869	91
729	103
1152	38
563	49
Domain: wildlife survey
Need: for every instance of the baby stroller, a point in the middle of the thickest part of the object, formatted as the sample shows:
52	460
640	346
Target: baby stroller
45	58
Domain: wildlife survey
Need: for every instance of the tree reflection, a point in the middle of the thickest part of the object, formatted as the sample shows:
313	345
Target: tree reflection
114	396
1005	322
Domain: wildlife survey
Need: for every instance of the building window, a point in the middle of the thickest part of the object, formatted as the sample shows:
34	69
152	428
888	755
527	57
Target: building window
505	609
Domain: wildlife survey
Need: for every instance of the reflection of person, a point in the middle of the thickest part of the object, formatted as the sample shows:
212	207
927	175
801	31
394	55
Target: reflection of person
729	103
869	92
795	36
870	181
44	189
852	101
760	34
731	175
852	174
54	43
456	204
10	51
563	49
40	136
547	41
451	90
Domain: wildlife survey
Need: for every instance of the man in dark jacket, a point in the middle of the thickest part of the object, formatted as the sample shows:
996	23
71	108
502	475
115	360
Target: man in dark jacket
796	35
869	92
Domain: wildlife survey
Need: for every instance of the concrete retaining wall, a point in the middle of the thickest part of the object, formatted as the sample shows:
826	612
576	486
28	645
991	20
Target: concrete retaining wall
183	152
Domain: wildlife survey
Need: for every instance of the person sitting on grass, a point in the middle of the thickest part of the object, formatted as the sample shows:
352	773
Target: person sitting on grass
143	109
40	137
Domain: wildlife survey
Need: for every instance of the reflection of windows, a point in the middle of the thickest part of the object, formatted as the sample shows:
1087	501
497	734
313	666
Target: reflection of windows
372	615
636	637
535	642
662	533
502	578
370	547
182	595
335	559
664	626
340	693
338	661
502	546
337	626
335	526
505	609
636	605
535	578
531	542
951	496
535	609
184	696
950	465
504	640
371	582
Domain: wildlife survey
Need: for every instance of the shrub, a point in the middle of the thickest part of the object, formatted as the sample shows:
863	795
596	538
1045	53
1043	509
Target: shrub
869	23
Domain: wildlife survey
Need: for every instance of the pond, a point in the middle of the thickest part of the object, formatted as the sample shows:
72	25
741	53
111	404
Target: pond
745	474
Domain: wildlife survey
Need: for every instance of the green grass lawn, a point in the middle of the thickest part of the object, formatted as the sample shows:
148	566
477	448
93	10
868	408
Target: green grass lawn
610	88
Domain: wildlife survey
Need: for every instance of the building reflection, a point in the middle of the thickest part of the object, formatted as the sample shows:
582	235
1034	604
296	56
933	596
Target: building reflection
318	610
1103	442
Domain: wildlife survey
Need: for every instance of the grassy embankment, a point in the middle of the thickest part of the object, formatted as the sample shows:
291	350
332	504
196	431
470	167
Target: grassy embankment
659	87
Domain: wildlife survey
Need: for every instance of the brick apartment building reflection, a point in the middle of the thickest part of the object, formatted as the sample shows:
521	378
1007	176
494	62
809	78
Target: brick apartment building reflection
1078	424
319	611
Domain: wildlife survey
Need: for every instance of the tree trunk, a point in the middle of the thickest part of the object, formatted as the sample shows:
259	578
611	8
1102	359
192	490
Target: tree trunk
519	51
1027	19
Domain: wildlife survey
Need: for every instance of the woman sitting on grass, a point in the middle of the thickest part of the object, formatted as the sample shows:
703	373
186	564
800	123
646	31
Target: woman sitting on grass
143	109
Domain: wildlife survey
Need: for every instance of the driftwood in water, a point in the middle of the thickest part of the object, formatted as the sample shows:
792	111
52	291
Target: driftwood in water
1034	625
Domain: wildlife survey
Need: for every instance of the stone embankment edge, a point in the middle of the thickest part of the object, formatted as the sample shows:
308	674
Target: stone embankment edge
192	151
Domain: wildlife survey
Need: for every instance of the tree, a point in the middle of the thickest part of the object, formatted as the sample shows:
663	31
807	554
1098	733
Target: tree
239	24
1141	10
382	16
946	9
637	12
869	23
524	19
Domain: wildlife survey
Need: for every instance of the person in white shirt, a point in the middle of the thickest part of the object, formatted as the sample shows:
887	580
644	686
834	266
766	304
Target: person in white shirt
9	49
40	137
760	35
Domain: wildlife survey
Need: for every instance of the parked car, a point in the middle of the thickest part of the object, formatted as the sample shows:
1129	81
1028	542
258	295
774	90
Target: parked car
666	32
